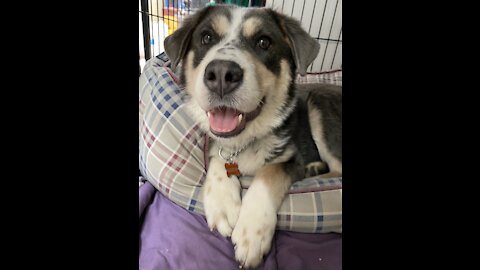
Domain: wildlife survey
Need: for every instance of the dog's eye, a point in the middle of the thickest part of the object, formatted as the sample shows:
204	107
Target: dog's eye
263	42
207	39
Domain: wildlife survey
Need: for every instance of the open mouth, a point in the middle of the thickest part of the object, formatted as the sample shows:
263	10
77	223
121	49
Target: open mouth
229	122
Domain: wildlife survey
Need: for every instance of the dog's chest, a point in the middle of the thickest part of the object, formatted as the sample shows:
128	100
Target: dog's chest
256	155
251	160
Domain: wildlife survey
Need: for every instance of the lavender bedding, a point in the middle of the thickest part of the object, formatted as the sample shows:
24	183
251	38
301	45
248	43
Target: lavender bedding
172	237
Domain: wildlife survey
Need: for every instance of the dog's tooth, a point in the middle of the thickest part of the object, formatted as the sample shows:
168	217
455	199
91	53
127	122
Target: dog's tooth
240	116
208	114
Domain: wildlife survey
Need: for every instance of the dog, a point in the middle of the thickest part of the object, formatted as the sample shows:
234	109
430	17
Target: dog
239	66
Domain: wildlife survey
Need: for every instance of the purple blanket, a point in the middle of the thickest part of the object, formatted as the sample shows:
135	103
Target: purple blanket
174	238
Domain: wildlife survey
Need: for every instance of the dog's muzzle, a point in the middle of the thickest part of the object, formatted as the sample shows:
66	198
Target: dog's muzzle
223	77
227	122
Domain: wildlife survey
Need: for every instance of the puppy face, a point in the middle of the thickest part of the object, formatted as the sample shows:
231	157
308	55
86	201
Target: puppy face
238	65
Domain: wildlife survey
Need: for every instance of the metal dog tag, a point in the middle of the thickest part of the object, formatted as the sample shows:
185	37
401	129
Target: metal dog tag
232	169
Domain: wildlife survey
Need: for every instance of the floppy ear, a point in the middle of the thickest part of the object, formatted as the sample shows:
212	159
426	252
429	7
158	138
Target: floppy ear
304	47
176	44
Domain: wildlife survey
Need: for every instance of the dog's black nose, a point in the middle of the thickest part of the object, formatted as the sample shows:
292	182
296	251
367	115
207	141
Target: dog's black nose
222	77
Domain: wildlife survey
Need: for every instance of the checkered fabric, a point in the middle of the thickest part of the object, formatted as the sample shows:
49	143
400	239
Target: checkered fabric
172	158
328	77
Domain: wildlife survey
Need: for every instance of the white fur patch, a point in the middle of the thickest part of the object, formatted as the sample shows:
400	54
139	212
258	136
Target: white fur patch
255	227
221	198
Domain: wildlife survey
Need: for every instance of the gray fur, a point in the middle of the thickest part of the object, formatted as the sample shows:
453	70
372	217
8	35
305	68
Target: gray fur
304	47
328	100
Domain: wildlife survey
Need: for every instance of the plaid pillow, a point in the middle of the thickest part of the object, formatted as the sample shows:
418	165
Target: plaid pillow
172	157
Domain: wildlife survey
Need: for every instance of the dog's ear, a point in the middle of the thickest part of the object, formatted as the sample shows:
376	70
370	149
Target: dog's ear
304	47
176	44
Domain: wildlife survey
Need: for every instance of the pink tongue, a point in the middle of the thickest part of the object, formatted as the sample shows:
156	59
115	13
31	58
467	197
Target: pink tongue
224	119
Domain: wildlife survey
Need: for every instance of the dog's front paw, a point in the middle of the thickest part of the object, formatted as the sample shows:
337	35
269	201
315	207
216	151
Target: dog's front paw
254	231
222	203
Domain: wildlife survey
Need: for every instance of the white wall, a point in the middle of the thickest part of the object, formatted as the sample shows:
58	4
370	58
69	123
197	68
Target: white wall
313	11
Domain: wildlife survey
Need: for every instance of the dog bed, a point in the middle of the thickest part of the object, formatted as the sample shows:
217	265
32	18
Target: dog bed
174	238
172	155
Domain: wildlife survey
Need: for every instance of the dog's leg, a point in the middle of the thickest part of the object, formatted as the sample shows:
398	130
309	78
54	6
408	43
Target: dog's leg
221	198
324	149
255	227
